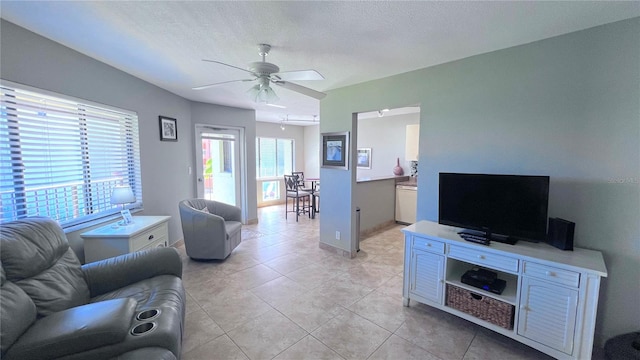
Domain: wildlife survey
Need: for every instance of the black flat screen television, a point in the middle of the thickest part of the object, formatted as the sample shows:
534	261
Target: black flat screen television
511	207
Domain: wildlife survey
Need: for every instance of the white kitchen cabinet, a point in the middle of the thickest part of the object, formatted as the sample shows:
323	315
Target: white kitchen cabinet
406	203
412	144
552	295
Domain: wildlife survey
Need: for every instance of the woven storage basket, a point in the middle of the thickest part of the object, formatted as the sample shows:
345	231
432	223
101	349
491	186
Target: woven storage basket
482	307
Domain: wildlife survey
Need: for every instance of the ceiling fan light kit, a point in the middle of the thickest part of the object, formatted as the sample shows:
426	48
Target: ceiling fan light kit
262	92
267	73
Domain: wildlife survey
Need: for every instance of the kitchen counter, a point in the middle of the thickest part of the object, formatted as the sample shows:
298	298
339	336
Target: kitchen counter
411	182
376	198
378	178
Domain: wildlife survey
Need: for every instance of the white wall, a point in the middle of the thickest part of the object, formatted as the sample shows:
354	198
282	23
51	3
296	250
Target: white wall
33	60
312	151
386	136
566	107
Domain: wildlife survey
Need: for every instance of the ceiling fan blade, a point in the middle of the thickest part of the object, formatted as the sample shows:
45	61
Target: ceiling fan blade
300	75
235	67
300	89
219	83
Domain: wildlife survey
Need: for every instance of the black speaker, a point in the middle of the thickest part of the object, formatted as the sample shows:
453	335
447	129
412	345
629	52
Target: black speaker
561	233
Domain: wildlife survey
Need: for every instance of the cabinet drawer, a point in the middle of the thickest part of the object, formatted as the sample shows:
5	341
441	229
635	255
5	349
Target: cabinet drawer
148	237
560	276
160	242
479	257
430	245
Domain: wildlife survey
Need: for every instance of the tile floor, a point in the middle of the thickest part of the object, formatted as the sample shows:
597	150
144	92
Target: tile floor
279	296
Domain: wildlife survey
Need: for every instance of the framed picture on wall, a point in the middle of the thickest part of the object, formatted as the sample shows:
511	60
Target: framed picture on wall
364	158
168	129
335	150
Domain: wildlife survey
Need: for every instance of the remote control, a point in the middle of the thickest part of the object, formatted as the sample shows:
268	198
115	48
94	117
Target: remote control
475	239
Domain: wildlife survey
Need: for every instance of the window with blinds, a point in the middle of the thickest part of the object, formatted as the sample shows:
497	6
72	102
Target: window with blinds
61	157
275	157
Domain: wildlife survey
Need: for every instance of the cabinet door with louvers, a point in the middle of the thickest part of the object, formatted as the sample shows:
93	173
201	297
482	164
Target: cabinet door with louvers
427	275
548	314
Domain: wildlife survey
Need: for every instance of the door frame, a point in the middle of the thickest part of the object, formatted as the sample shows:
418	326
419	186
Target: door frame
242	159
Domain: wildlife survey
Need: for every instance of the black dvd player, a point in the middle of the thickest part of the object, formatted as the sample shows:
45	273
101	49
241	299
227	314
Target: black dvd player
495	285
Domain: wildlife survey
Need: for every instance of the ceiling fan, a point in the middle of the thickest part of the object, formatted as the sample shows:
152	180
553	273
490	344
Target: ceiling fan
267	73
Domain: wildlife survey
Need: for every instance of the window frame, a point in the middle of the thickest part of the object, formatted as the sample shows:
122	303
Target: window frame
259	159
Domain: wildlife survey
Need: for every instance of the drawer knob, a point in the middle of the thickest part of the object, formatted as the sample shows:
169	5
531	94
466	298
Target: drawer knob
150	237
428	244
481	257
550	273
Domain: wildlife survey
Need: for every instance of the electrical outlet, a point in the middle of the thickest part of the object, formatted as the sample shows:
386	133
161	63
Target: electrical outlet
337	235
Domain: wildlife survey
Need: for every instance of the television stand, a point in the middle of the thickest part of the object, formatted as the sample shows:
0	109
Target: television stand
550	297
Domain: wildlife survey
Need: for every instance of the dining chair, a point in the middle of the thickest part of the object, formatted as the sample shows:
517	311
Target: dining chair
294	191
301	182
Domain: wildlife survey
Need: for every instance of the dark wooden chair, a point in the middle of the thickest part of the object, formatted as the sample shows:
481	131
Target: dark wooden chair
301	182
295	192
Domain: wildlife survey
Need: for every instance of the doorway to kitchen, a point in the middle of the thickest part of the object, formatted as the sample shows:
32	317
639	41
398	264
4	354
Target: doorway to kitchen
387	148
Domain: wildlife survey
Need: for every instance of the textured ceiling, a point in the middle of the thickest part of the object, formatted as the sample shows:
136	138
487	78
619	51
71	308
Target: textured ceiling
347	42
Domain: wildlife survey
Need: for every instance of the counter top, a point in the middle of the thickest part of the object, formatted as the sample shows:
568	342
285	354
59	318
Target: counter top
411	182
378	178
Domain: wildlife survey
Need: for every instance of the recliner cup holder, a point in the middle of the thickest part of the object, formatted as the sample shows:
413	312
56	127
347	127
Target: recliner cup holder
148	314
143	328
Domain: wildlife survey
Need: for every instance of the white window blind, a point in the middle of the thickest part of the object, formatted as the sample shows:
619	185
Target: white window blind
61	157
275	157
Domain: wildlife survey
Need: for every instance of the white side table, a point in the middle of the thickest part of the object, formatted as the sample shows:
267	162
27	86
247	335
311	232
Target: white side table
144	232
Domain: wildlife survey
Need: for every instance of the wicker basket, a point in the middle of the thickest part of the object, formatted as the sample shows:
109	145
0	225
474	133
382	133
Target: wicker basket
482	307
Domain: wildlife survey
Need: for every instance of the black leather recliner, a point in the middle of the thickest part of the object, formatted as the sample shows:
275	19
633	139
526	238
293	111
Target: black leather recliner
128	307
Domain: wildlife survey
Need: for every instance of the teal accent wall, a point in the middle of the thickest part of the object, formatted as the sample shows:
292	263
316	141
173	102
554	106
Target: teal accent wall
567	107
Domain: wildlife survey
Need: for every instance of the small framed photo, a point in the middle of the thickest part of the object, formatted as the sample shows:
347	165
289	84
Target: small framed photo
126	217
168	129
364	158
335	150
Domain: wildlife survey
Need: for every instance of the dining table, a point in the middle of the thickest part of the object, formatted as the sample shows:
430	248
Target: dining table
314	183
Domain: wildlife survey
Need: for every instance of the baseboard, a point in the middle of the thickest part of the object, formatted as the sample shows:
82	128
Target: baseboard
338	251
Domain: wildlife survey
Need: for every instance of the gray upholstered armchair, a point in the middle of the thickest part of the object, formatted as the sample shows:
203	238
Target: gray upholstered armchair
212	233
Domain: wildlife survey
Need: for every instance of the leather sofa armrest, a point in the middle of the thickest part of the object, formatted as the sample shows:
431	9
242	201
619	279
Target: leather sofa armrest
154	353
76	330
117	272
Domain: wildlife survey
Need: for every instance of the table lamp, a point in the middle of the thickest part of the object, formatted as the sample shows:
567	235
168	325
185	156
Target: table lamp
121	195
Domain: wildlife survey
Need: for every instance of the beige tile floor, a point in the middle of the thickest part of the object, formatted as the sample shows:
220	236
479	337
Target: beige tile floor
278	296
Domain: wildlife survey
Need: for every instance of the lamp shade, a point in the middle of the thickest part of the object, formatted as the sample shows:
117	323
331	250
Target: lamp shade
262	92
122	194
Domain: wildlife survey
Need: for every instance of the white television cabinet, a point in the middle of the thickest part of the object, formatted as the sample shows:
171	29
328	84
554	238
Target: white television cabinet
553	293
